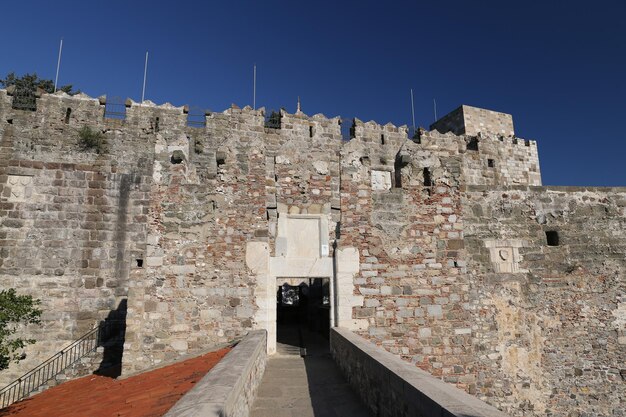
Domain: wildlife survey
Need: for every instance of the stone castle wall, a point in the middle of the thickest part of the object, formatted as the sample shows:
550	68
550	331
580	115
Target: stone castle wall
549	327
71	221
489	159
166	217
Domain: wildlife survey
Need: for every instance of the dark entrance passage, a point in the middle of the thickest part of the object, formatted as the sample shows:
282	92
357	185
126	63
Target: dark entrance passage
301	379
302	311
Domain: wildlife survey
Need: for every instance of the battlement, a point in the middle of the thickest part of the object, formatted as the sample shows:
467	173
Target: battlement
191	220
465	120
491	155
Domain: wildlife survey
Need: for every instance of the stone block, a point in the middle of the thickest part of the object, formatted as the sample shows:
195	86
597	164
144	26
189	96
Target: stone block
179	345
434	310
154	261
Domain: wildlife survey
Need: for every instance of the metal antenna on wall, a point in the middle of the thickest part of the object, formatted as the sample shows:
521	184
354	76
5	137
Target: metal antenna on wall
435	108
254	88
56	78
413	111
145	72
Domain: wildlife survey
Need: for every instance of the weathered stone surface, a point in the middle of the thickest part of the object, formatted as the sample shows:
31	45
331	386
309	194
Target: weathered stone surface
444	262
390	387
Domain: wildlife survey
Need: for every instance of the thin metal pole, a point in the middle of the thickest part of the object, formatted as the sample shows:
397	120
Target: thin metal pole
145	72
254	89
435	108
56	78
413	110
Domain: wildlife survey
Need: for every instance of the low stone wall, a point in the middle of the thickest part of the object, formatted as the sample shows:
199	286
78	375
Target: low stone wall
392	387
228	390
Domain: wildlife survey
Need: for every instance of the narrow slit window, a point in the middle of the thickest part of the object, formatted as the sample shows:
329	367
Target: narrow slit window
310	131
427	179
382	139
156	124
397	178
552	237
68	113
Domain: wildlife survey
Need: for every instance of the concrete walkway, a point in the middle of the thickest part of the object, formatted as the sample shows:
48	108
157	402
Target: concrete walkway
293	386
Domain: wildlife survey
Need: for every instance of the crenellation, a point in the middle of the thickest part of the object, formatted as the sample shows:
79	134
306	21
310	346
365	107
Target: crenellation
435	249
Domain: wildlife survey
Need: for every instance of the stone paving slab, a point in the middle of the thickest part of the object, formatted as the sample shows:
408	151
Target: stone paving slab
305	387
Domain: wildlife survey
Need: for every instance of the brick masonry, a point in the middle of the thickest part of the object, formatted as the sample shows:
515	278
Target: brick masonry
437	260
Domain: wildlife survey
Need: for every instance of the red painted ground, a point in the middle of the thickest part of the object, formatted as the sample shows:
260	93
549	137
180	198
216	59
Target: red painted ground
150	394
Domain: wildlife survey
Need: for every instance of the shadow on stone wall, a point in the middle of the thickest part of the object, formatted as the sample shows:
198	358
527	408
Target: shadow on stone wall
112	337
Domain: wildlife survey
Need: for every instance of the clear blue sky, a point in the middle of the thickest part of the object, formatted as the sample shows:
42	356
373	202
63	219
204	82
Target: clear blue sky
558	66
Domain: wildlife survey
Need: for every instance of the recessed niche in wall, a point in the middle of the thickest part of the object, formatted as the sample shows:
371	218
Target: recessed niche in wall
177	157
220	158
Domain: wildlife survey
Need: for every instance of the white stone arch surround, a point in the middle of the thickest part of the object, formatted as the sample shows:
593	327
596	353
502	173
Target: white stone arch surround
302	251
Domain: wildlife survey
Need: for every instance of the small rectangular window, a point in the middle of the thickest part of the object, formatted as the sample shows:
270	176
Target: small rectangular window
552	237
491	163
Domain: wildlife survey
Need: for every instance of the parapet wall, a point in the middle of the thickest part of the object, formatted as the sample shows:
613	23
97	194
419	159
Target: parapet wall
229	389
391	387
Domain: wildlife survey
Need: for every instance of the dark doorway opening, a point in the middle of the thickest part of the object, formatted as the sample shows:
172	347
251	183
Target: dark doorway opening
302	314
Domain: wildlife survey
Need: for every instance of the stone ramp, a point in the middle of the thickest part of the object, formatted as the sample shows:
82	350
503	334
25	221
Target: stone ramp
305	386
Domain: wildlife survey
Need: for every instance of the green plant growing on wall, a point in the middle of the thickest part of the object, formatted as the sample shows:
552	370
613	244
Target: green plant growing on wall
16	311
90	139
